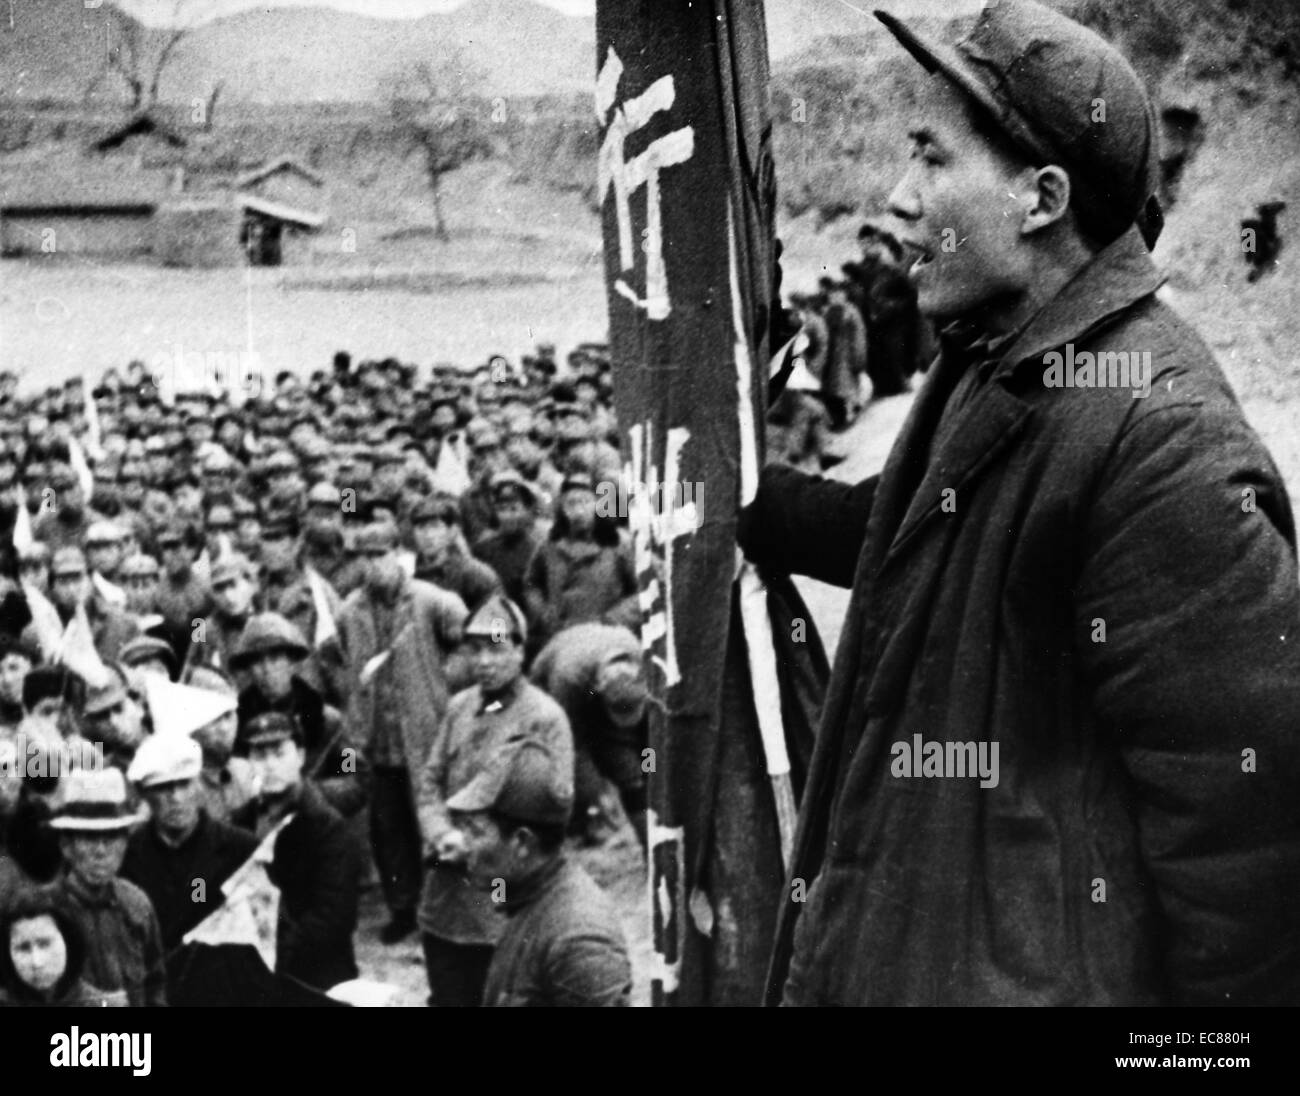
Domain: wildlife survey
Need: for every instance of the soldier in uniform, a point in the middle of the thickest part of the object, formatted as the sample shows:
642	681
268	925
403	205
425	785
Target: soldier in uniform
441	556
562	944
457	920
315	860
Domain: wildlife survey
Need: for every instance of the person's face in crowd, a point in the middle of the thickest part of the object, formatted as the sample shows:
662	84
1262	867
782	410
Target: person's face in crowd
272	673
524	453
234	595
141	592
157	466
586	393
174	806
230	436
130	488
11	779
579	508
489	854
217	739
277	766
68	494
490	459
248	535
959	187
497	662
8	473
443	419
49	709
176	557
220	523
513	516
104	556
38	952
70	589
279	551
13	668
433	538
94	857
389	477
284	483
198	431
323	514
121	726
383	569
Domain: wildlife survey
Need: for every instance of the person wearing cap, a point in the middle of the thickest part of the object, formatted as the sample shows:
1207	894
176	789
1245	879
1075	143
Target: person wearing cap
594	671
235	596
285	588
184	594
896	336
34	566
114	719
248	527
458	924
315	860
509	548
583	571
1038	572
105	552
181	857
139	576
271	653
150	654
562	944
71	589
227	780
441	555
398	636
63	515
93	821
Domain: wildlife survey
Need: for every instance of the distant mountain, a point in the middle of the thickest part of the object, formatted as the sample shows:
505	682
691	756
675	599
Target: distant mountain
515	47
58	48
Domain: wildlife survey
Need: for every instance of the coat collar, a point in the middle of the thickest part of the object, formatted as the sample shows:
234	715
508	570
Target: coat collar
1119	275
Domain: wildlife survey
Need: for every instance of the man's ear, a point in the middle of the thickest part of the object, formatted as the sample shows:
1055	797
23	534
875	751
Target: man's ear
1049	189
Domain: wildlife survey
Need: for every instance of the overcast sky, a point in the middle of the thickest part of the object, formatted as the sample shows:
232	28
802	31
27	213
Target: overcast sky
160	11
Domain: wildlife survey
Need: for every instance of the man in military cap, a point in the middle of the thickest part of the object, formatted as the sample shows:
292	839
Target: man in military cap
398	635
124	943
1021	511
457	920
114	719
271	651
283	581
235	598
509	548
284	485
71	589
181	857
441	556
562	944
315	861
183	593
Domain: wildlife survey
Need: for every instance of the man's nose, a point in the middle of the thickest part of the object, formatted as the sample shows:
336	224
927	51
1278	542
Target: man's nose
903	201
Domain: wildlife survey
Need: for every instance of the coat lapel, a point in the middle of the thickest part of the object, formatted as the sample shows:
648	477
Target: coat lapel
992	421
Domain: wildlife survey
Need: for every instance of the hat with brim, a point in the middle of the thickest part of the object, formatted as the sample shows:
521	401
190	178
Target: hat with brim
1023	65
528	785
266	633
94	801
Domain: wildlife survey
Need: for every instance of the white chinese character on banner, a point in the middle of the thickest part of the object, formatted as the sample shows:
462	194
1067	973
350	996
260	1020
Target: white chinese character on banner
625	176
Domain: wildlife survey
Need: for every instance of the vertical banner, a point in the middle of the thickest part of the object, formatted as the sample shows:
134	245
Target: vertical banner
687	192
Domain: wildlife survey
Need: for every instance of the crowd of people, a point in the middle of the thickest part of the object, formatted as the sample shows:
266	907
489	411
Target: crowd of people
861	337
372	623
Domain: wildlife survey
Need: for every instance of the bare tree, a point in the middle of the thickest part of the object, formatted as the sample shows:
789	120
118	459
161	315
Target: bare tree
438	117
133	56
